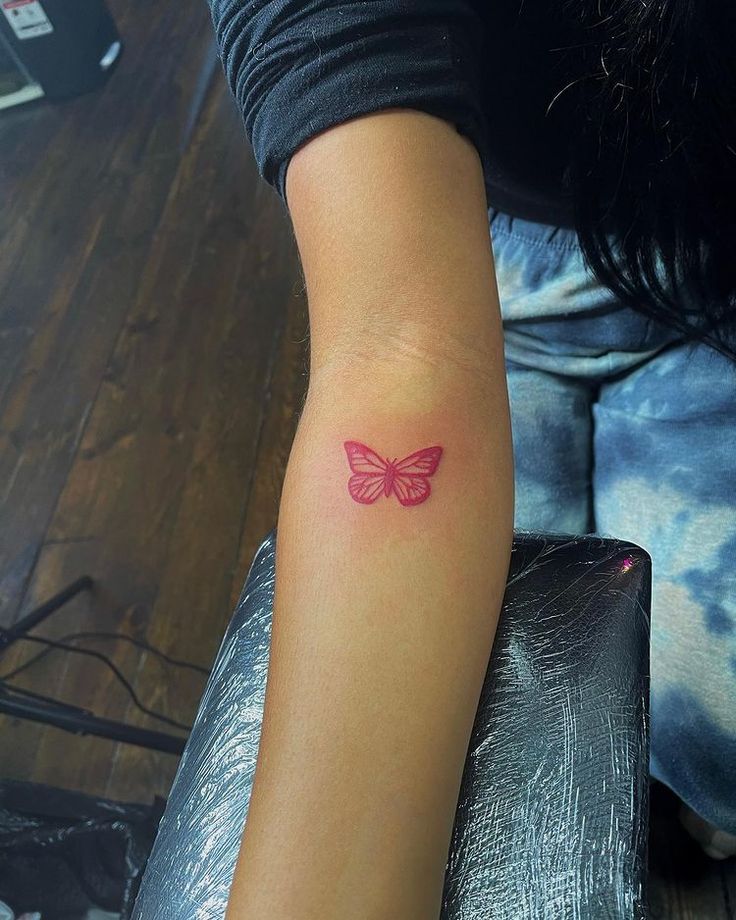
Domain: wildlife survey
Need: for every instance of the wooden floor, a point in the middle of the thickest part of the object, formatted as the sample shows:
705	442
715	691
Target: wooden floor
152	342
684	884
152	367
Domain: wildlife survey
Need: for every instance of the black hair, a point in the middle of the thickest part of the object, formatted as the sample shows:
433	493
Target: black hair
653	173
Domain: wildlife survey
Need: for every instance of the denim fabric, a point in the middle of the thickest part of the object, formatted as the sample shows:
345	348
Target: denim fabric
621	430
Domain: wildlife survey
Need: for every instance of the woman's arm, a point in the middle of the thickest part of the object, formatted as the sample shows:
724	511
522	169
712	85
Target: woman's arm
384	613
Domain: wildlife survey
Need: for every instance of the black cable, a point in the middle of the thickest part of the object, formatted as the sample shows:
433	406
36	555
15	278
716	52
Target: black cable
175	662
116	671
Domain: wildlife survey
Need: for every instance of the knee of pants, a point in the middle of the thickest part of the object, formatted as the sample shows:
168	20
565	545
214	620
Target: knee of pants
552	430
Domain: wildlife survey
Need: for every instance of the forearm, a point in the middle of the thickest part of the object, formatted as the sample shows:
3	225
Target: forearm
385	613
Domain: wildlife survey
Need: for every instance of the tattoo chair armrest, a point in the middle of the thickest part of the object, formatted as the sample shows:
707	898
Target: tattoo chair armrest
552	817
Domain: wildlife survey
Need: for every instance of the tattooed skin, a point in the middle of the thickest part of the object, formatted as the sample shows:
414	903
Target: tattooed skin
408	479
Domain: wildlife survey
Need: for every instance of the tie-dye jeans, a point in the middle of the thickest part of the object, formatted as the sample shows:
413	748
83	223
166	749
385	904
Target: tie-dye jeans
622	431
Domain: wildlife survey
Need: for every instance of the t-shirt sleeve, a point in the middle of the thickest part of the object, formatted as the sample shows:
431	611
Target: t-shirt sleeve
297	67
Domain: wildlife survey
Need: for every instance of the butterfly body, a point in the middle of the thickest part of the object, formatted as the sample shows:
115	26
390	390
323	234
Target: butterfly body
407	479
390	477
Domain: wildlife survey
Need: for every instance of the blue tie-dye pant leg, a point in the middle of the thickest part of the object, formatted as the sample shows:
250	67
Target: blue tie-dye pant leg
622	431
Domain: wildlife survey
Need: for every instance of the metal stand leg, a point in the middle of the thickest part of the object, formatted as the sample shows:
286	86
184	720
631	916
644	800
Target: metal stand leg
23	704
27	623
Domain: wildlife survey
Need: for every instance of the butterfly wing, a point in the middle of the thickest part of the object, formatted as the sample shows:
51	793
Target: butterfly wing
421	463
411	480
364	460
369	473
365	488
411	490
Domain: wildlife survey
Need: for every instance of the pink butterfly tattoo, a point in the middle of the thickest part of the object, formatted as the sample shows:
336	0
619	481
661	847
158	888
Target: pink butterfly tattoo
408	479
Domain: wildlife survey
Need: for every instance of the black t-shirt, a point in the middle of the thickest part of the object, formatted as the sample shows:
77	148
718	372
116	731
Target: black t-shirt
505	72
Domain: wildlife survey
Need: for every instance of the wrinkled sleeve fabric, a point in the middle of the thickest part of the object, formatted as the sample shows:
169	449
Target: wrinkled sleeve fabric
298	67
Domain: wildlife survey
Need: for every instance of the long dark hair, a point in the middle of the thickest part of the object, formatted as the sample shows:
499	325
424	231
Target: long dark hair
655	166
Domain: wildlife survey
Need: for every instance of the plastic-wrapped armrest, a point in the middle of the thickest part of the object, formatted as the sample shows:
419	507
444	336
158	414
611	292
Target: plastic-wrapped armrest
552	815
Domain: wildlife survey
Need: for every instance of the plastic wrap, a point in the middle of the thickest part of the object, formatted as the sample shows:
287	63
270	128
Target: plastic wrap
552	815
64	853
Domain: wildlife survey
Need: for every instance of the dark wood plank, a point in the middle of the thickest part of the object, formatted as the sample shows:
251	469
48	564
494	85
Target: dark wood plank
684	883
284	400
79	227
728	884
193	604
122	503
